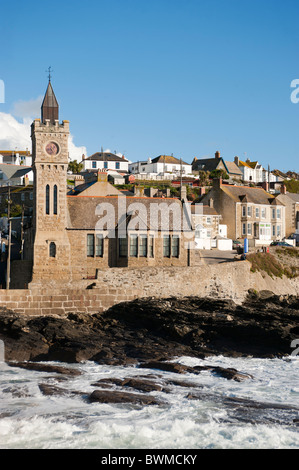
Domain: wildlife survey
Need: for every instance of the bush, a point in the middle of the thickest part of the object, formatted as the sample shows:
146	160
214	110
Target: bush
268	263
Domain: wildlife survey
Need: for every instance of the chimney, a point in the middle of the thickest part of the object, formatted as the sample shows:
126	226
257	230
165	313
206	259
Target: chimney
217	183
265	185
217	154
183	193
102	176
138	191
83	157
211	202
237	161
283	189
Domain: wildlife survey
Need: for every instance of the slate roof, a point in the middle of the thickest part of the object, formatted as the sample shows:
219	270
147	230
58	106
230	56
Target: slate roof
248	194
210	164
232	168
169	159
85	212
206	164
14	171
206	210
106	157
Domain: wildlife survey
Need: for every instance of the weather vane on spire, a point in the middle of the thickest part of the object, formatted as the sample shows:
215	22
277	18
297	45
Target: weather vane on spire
49	72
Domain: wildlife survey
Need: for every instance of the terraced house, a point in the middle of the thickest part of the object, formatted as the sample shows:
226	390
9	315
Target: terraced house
248	212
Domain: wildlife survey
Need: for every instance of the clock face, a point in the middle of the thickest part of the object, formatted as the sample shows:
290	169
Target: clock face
52	148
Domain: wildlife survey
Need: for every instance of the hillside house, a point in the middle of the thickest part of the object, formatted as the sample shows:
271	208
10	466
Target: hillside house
248	212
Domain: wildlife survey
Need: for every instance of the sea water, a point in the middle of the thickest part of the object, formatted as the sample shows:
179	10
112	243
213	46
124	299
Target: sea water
31	420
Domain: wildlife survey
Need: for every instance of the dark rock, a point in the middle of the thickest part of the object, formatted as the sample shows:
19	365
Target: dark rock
103	396
142	385
157	330
50	390
108	381
166	366
45	368
231	374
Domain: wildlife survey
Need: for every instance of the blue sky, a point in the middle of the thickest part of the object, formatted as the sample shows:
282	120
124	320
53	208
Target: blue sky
145	78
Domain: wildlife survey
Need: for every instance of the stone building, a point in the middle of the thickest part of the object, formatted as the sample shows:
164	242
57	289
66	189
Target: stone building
106	161
217	163
291	202
75	234
166	166
248	212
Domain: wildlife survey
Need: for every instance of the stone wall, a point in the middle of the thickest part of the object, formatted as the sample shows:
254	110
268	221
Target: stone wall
228	280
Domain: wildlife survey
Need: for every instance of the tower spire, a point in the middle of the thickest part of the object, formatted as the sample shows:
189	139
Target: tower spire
50	107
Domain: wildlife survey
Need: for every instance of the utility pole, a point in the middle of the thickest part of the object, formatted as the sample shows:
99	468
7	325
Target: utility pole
22	232
9	242
181	179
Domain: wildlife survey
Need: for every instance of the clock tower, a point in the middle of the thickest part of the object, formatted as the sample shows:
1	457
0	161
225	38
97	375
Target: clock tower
51	248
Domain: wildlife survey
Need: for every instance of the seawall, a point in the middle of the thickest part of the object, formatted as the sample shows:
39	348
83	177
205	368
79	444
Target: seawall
226	280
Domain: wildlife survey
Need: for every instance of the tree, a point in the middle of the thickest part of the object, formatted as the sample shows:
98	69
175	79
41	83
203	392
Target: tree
219	174
75	167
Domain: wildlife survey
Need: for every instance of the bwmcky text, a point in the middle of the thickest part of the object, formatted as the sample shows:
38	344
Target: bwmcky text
150	459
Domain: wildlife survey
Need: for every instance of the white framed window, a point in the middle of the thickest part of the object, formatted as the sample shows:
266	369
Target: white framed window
278	230
209	220
249	229
278	213
273	230
243	211
263	213
257	212
273	213
249	211
243	229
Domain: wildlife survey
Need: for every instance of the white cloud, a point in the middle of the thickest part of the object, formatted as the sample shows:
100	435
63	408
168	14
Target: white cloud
15	134
27	109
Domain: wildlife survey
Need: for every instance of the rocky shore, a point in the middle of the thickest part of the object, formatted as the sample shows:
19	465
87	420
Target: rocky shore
157	330
150	334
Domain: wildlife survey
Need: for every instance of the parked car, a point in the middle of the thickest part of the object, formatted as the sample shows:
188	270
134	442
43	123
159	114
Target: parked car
280	244
294	236
237	244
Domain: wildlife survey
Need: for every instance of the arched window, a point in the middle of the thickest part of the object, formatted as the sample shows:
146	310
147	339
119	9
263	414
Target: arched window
55	200
52	250
47	199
